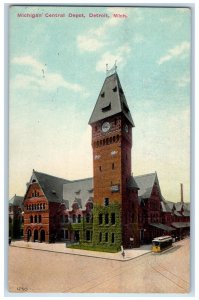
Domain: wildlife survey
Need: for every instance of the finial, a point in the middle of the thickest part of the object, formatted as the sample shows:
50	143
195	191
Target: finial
106	69
112	70
115	66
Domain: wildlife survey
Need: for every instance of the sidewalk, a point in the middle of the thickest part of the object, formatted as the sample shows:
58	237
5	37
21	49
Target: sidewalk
61	248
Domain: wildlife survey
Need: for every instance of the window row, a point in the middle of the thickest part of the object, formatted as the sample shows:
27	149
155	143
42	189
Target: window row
38	206
35	219
107	141
112	166
106	219
75	218
35	194
106	237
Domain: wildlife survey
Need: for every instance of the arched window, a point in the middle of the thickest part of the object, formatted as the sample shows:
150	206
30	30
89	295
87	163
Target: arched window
43	205
31	219
32	206
35	219
40	206
39	218
100	236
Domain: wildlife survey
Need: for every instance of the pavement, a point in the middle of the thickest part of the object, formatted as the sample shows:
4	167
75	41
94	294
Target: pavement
61	248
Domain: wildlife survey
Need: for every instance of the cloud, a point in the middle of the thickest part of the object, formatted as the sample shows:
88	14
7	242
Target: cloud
120	55
97	38
40	78
177	51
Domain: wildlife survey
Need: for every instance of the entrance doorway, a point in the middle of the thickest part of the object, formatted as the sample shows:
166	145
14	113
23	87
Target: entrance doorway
42	235
36	235
29	234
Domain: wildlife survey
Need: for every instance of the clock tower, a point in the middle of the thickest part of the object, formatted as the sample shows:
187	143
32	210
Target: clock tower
115	190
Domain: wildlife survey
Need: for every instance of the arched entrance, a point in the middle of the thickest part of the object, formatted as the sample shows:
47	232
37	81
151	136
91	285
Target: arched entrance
35	235
29	234
42	235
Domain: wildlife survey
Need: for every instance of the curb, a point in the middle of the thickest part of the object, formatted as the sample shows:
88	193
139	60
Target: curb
79	254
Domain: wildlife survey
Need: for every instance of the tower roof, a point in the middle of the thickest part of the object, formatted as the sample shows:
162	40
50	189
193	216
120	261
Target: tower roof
111	101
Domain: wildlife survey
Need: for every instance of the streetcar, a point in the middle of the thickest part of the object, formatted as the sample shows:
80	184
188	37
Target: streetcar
161	243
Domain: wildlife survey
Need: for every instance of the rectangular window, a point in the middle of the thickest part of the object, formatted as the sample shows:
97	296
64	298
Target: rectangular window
62	234
88	235
106	201
106	219
66	234
100	236
113	218
113	166
106	237
112	238
100	219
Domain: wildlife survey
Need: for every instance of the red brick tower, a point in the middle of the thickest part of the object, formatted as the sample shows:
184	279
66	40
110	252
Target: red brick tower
112	124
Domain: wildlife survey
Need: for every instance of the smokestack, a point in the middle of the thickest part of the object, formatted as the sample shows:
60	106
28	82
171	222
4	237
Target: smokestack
181	193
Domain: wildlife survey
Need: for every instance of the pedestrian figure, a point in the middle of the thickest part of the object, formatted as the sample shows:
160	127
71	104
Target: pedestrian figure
122	251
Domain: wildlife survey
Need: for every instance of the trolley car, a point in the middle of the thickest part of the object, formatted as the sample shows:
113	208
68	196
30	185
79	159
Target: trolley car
161	243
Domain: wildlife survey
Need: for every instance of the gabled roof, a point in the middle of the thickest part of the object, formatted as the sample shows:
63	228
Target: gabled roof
111	101
145	184
178	206
132	183
52	186
79	191
16	201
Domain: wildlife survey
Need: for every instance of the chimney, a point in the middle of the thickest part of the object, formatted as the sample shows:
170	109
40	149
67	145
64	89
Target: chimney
181	193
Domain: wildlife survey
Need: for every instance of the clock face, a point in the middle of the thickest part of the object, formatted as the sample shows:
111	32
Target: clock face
126	128
106	126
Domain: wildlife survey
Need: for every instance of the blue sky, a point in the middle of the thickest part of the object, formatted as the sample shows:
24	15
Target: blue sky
57	68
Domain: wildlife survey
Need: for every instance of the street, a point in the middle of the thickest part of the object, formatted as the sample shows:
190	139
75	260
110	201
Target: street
39	271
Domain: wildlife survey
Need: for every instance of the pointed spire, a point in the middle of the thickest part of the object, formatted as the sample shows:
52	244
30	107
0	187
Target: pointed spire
111	99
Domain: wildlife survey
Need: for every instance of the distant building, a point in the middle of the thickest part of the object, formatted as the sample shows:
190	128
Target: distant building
114	207
16	219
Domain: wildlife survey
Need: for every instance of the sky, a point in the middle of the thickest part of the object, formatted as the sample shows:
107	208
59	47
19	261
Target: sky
57	66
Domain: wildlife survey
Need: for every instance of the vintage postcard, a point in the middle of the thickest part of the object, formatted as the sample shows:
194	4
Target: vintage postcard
99	149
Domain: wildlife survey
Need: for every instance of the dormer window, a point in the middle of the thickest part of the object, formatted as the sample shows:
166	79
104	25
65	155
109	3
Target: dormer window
115	89
106	108
103	94
77	192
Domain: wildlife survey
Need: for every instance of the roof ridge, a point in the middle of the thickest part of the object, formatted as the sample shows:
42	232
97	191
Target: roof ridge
50	175
80	179
153	173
